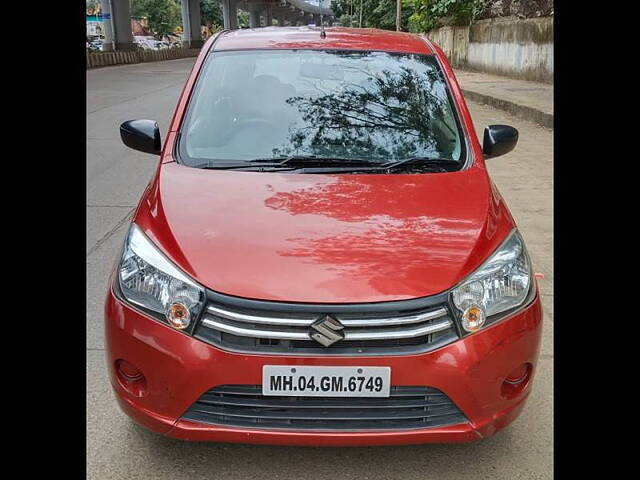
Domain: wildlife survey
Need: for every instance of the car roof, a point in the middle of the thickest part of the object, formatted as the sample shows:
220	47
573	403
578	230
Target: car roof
337	38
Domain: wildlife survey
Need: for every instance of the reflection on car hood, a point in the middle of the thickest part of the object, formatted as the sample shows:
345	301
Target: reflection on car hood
324	238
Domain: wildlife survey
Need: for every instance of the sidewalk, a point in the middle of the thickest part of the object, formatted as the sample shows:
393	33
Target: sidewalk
527	100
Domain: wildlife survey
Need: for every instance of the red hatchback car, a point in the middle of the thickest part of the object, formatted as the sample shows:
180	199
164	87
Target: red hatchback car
321	257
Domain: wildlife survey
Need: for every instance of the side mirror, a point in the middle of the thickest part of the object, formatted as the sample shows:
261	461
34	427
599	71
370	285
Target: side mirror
142	135
498	140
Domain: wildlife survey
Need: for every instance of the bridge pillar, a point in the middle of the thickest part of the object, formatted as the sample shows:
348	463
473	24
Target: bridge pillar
268	16
122	36
230	14
107	29
191	34
254	15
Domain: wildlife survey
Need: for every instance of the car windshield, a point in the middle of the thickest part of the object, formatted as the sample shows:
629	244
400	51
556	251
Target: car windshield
262	105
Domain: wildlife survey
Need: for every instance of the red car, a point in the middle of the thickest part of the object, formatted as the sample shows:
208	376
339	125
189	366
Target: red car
321	257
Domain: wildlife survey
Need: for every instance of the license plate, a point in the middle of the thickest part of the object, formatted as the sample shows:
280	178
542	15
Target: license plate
306	381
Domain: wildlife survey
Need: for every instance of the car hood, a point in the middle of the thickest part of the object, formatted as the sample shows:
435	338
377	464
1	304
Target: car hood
324	238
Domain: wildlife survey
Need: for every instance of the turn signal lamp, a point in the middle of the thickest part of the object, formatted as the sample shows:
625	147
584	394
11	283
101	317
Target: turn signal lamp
473	318
178	316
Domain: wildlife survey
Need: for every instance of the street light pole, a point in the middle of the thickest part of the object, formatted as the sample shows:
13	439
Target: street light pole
360	24
398	7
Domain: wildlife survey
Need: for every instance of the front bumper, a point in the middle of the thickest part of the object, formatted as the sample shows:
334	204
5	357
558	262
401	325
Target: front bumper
179	369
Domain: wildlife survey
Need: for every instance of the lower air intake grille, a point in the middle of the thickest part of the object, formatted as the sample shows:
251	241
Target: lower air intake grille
245	406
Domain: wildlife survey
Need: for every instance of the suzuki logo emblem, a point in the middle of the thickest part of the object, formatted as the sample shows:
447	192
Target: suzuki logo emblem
328	330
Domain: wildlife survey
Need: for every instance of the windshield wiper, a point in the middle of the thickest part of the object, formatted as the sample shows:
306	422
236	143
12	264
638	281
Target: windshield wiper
289	162
239	165
422	161
314	164
314	160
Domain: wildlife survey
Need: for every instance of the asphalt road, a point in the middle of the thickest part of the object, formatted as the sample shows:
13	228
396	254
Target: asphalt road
117	448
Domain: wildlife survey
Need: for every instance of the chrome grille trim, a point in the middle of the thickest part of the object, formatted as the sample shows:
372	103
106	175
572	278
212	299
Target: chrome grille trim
369	334
242	317
399	327
307	321
382	334
253	332
387	322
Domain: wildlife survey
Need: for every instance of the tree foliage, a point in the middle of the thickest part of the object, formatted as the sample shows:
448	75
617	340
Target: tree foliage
390	117
424	15
429	14
211	13
416	15
163	16
375	13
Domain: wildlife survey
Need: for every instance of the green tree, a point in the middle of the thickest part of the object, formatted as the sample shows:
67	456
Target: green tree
397	106
163	15
243	18
429	14
211	13
416	15
375	13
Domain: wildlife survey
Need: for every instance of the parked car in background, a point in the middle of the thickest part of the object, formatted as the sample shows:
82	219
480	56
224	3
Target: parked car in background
145	42
152	43
321	257
94	43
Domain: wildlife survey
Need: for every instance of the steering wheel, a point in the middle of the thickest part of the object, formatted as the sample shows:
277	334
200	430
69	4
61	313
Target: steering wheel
223	124
214	130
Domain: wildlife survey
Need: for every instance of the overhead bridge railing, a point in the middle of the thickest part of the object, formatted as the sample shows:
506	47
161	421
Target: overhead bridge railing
311	8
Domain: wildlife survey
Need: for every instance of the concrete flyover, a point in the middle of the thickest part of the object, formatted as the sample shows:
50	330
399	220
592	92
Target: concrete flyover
262	13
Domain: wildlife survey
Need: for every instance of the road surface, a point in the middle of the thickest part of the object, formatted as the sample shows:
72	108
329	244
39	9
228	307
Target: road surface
117	448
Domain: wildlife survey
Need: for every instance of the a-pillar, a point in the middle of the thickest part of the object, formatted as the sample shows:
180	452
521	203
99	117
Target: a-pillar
230	14
121	13
191	34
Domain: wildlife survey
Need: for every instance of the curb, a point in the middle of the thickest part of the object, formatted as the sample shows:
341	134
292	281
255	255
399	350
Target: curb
521	111
108	59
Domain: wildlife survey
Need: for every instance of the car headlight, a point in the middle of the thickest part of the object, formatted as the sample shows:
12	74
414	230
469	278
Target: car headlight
148	279
503	282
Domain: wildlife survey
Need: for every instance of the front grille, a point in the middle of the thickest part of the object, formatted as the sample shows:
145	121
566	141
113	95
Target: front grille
245	406
364	333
